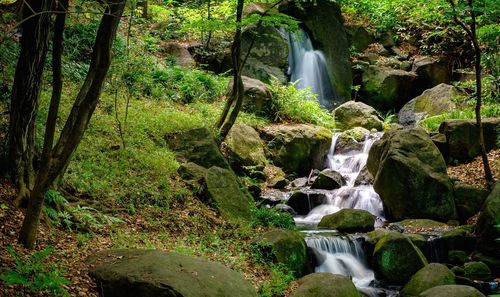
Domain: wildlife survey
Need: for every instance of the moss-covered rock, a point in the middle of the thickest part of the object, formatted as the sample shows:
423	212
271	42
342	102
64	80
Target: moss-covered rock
151	273
458	271
477	270
244	147
417	239
431	72
374	236
469	200
351	140
286	247
357	114
411	176
430	276
328	180
224	192
256	95
457	257
297	148
421	224
349	220
396	259
325	285
192	171
452	291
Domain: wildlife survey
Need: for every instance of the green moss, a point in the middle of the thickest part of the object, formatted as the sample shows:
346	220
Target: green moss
428	277
349	220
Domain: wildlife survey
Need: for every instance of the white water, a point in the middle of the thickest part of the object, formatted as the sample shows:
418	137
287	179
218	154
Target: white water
360	197
308	67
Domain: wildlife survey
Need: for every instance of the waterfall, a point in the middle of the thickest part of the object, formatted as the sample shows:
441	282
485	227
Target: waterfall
308	67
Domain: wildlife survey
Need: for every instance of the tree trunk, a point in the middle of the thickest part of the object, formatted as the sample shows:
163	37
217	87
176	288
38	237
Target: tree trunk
76	124
26	93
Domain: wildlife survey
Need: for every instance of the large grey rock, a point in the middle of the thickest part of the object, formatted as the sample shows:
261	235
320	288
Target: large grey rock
364	177
179	53
349	220
325	285
462	137
328	180
430	276
244	147
357	114
452	291
151	273
297	148
431	72
431	102
256	95
411	176
387	89
487	228
324	21
224	191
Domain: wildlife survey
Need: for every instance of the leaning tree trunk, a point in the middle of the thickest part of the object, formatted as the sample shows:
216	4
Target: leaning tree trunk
26	93
76	124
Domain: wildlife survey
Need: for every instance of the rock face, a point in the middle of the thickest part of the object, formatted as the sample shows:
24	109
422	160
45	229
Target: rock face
224	191
256	95
433	101
324	22
349	220
430	276
488	233
431	72
387	89
328	180
179	53
462	137
297	148
452	291
325	285
468	200
396	259
286	247
303	202
357	114
151	273
411	177
197	146
359	38
269	55
364	177
244	147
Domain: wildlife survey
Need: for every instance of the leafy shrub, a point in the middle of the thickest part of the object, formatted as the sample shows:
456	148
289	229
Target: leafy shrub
279	281
36	274
297	105
270	217
433	123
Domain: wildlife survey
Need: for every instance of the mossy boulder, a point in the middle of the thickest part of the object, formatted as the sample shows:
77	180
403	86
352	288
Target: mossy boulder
328	180
396	259
419	224
457	257
357	114
297	148
487	226
325	285
151	273
364	177
285	247
452	291
192	171
225	193
430	276
431	72
374	236
349	220
477	270
469	200
411	177
351	140
244	147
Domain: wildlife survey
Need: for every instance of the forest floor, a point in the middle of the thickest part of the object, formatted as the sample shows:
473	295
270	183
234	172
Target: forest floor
182	229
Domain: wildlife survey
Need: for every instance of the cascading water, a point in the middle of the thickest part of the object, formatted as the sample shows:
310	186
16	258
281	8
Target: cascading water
349	165
308	67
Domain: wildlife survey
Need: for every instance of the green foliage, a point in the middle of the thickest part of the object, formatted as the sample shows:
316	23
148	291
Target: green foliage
433	123
270	217
279	281
36	274
297	105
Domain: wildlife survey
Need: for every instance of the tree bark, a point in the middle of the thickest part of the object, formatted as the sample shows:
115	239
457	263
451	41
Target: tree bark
76	124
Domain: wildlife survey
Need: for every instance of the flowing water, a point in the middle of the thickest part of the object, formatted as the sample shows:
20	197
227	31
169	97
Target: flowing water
308	68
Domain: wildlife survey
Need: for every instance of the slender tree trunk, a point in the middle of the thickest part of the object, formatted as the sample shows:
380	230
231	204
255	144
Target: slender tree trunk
76	124
26	94
145	9
209	18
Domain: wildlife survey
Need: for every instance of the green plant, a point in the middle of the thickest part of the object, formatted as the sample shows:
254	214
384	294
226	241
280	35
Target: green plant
36	274
279	280
270	217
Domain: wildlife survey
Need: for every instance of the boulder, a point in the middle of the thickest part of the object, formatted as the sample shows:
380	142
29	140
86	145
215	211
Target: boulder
357	114
364	178
192	171
244	147
151	273
180	54
273	197
452	291
197	146
323	20
457	257
256	95
431	72
326	285
387	89
224	192
269	55
349	220
396	259
477	271
468	200
487	226
359	38
302	202
411	176
328	180
275	177
285	247
351	140
435	101
297	148
462	137
430	276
